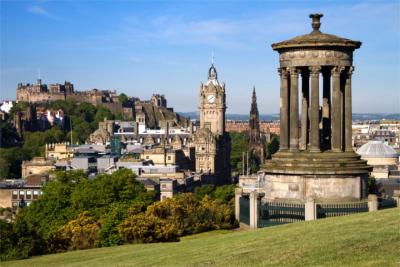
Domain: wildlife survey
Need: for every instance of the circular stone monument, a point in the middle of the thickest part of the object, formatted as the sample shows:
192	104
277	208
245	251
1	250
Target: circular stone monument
316	158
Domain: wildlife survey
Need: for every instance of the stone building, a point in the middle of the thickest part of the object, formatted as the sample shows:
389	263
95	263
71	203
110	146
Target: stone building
20	193
40	92
381	157
58	151
267	127
168	188
212	142
36	166
159	100
316	158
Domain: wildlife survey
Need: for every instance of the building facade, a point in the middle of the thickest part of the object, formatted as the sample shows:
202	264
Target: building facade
212	142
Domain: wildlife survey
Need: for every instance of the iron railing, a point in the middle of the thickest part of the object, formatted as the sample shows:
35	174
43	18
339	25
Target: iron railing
244	215
275	213
325	210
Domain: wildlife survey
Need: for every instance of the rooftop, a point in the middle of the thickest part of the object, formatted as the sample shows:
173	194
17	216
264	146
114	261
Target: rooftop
316	39
377	149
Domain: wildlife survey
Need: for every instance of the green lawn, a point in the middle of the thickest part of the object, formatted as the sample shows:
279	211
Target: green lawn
368	239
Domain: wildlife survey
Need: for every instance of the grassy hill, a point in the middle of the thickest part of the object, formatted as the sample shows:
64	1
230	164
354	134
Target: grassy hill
368	239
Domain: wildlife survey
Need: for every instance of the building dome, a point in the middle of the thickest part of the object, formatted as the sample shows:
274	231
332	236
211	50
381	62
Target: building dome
377	149
316	39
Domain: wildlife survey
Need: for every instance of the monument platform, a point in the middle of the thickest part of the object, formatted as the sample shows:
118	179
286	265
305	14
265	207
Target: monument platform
316	163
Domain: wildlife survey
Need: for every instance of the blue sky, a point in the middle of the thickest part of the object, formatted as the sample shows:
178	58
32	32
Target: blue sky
141	47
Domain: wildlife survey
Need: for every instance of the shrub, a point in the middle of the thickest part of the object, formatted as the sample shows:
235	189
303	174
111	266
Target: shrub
81	233
141	228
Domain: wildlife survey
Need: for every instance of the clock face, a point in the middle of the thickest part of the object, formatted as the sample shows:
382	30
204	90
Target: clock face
211	99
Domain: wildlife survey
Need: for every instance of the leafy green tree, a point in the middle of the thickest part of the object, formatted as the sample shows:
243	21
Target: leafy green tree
123	98
4	168
118	116
239	145
225	193
201	191
12	160
9	136
18	107
272	147
254	162
102	113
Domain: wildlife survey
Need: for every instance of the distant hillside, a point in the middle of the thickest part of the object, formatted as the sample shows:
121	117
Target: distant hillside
367	239
269	117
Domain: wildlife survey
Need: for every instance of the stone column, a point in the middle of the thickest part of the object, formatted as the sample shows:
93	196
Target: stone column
326	110
310	210
238	195
294	110
253	209
336	110
314	110
348	111
304	108
372	202
284	110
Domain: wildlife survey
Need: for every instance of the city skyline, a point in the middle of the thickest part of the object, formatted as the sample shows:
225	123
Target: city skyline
139	49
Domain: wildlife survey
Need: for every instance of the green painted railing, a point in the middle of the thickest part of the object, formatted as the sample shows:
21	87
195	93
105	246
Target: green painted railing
340	209
244	215
275	213
386	203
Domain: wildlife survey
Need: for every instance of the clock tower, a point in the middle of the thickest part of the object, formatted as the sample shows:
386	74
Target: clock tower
212	103
212	143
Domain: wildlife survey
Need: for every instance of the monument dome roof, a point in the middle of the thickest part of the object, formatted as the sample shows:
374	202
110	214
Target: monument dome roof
377	149
316	39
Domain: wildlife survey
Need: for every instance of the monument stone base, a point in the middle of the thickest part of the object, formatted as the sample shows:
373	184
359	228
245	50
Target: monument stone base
325	177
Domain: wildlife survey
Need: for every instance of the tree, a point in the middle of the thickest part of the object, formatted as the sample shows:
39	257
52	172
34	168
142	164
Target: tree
123	98
4	168
272	147
201	191
239	145
101	113
225	193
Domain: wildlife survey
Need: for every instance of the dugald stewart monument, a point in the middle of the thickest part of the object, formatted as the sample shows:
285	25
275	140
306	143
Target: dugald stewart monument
130	150
316	158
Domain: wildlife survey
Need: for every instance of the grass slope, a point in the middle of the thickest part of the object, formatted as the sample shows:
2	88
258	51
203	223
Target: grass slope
368	239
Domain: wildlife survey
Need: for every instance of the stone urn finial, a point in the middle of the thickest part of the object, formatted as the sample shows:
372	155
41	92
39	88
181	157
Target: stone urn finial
316	23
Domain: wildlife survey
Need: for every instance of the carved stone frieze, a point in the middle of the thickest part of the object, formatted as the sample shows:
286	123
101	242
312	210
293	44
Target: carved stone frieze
313	57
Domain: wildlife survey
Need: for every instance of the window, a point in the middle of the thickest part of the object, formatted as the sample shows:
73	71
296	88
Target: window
15	195
169	157
28	194
164	186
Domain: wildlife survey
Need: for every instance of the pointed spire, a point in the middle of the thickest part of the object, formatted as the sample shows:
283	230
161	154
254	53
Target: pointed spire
254	115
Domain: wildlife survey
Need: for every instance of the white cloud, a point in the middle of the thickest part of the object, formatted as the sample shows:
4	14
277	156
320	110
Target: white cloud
262	26
40	11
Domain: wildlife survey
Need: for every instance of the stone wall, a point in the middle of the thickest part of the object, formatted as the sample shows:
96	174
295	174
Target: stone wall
300	187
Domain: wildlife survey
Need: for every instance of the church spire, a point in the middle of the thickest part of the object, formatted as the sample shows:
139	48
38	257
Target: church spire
254	119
